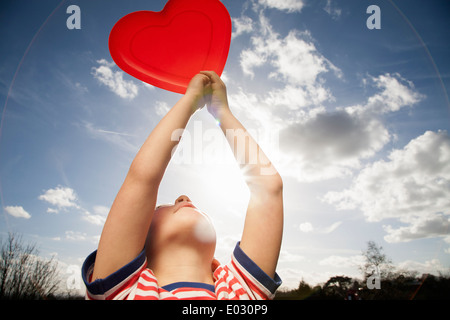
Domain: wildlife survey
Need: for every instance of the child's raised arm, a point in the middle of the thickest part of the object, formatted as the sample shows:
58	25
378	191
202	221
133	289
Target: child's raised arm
263	228
125	230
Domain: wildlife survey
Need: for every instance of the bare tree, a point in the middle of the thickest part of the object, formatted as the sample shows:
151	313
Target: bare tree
23	274
376	262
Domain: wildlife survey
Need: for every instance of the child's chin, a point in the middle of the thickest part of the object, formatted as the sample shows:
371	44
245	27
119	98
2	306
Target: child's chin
205	232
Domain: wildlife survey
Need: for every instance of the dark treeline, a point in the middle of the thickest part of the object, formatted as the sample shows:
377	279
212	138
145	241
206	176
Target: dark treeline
397	287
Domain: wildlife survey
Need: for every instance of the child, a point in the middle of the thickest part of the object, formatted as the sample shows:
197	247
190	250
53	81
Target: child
168	252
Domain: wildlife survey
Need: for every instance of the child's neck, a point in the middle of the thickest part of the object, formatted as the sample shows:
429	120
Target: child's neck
182	266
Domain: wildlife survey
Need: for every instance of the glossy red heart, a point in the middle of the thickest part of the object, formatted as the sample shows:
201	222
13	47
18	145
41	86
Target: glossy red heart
167	48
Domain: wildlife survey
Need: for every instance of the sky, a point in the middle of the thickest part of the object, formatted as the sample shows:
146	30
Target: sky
355	119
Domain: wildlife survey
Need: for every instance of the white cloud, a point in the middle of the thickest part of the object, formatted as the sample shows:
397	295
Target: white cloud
76	236
395	93
431	226
64	198
330	145
98	217
17	212
60	197
81	237
284	5
331	228
241	25
333	10
413	186
148	86
433	266
306	227
114	80
286	256
325	145
245	103
101	210
161	108
294	97
316	144
339	261
94	219
294	62
295	58
249	59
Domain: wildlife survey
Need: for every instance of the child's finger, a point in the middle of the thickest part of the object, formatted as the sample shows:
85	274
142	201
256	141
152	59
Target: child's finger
212	75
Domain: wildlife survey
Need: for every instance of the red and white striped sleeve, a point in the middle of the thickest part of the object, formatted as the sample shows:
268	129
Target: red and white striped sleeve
243	279
117	286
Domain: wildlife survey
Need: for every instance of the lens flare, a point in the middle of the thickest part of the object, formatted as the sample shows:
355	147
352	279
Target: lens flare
204	231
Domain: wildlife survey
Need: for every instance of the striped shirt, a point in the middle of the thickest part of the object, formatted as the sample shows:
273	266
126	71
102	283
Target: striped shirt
240	279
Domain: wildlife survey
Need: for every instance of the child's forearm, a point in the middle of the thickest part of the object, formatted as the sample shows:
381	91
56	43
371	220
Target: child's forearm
152	159
259	172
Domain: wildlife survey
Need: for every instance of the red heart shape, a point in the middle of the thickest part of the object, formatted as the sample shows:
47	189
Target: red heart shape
166	49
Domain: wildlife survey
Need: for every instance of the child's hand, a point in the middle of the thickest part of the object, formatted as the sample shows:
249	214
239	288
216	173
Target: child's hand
217	101
198	89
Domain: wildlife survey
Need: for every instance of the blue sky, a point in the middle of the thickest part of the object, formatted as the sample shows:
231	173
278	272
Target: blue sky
356	121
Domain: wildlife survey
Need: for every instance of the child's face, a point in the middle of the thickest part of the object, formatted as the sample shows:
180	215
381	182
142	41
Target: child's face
181	223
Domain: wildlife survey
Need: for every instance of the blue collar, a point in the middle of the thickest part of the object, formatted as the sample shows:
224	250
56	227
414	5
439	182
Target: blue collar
177	285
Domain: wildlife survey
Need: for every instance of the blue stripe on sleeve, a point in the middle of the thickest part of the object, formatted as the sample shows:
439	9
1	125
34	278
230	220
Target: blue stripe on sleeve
251	267
101	286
